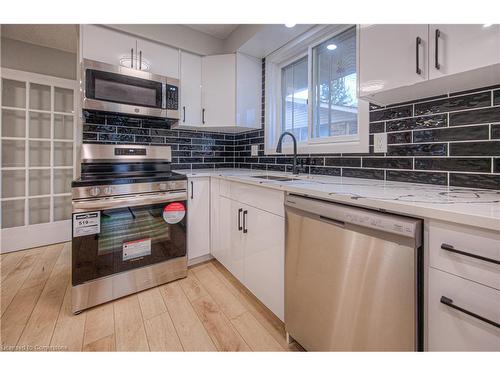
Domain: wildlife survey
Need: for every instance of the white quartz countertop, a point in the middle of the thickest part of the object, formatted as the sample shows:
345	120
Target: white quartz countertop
475	207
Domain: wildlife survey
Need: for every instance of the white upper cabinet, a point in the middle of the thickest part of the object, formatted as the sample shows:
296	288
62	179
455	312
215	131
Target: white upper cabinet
448	58
163	60
231	91
248	91
219	90
391	56
190	105
109	46
458	48
105	45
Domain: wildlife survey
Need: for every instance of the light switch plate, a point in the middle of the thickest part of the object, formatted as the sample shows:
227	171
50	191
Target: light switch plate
380	142
255	150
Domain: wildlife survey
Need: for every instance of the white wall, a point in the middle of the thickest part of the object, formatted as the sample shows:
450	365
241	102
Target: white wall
178	36
37	59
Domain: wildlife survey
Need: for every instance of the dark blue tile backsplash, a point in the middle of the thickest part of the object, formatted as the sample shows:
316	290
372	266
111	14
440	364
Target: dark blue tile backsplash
447	140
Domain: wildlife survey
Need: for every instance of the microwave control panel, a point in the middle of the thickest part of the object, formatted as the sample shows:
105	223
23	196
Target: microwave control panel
172	97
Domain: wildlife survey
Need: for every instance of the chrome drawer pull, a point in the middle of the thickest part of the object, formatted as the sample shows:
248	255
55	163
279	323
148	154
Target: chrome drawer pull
451	249
449	302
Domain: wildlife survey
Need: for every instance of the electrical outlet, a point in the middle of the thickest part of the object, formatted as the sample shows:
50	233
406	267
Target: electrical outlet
255	150
380	142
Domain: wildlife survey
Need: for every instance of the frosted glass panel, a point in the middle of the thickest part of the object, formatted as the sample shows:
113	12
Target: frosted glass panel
13	183
13	153
62	208
12	213
62	180
13	93
39	153
63	100
39	125
39	210
13	123
63	154
39	180
39	97
63	127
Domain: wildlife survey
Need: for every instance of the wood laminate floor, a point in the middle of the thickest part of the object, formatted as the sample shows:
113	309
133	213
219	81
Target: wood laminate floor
207	311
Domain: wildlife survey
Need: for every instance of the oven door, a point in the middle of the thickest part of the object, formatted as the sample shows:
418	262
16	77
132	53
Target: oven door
118	239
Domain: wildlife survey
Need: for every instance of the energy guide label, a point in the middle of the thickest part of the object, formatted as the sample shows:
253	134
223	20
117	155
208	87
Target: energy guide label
86	223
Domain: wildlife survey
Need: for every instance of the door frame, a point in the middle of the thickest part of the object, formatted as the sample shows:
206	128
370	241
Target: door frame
28	236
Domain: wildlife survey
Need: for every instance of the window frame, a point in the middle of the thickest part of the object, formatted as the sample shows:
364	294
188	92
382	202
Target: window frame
288	54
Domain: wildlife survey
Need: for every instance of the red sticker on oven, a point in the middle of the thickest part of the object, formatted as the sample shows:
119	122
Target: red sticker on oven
174	213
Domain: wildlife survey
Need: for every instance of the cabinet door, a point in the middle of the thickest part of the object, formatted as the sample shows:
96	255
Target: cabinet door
388	57
163	60
230	238
219	90
198	238
265	258
190	89
462	48
105	45
453	330
248	91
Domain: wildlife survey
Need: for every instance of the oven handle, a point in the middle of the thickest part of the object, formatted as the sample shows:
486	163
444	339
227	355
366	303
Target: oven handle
128	201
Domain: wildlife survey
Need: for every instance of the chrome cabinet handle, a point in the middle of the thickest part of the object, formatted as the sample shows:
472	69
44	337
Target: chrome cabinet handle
239	219
245	229
451	249
192	190
184	113
449	302
203	116
140	60
436	49
418	42
131	57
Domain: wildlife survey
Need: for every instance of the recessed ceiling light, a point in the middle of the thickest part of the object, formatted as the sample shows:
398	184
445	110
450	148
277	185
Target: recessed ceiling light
290	25
331	47
487	25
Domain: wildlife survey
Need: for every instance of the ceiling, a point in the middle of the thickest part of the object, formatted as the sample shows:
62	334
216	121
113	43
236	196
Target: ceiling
61	37
219	31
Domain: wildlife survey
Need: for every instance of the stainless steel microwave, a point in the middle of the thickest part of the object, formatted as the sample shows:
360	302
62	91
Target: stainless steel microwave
118	89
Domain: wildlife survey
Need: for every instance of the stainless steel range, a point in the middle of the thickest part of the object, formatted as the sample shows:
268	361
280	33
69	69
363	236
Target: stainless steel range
129	223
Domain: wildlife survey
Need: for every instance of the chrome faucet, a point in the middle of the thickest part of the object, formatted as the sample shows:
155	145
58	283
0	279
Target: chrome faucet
295	169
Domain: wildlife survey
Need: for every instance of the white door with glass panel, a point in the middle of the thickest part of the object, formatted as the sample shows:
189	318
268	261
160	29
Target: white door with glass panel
37	159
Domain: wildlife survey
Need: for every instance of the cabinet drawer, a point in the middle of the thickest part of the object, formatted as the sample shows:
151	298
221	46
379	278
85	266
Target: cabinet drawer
452	330
473	241
263	198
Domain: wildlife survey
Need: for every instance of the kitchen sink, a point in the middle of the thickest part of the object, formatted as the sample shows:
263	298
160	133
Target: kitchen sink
276	178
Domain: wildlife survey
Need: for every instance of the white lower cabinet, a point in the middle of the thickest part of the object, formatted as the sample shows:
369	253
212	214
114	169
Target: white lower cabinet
264	258
198	231
463	301
249	242
454	330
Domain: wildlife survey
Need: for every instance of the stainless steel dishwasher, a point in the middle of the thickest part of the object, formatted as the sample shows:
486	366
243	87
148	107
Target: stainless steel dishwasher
353	278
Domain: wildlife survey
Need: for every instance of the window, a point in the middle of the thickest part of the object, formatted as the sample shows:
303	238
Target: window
294	95
311	91
335	103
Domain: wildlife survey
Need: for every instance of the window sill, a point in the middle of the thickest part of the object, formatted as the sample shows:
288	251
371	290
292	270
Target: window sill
324	148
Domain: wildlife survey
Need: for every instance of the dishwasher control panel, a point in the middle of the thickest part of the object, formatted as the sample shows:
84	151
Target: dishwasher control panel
341	214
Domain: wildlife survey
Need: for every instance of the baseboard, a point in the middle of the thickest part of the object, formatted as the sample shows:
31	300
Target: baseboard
200	259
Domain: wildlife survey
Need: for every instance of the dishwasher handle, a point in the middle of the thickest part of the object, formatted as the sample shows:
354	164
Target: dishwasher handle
332	221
